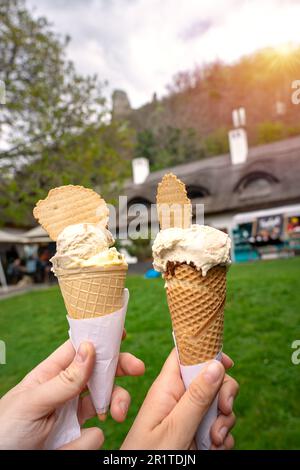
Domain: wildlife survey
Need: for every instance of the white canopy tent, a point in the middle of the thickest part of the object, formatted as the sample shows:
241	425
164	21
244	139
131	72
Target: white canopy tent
37	235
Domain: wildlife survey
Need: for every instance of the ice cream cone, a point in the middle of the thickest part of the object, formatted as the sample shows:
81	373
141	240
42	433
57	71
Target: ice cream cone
196	305
91	274
92	291
193	260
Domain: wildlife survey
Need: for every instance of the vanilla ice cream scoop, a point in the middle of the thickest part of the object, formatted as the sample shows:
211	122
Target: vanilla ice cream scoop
201	245
83	245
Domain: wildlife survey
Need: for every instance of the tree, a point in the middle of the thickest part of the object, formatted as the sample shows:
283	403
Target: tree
54	126
168	146
217	142
146	145
93	160
203	98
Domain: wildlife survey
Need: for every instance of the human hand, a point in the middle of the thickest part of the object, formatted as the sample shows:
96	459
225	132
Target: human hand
170	416
27	412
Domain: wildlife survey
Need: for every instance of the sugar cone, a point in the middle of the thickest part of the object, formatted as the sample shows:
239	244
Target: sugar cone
92	291
196	304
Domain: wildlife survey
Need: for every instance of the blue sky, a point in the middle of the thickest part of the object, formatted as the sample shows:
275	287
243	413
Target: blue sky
138	45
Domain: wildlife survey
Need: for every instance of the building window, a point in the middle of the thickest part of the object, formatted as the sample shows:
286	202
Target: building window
256	184
139	200
196	192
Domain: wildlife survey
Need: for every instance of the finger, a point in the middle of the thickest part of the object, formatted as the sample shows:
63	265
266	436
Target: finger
169	382
120	402
229	442
86	409
128	364
170	370
221	428
171	366
187	415
170	374
90	439
227	361
59	360
164	393
228	393
67	384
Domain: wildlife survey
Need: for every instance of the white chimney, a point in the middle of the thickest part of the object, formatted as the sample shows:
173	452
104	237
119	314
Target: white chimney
238	145
140	170
239	117
235	118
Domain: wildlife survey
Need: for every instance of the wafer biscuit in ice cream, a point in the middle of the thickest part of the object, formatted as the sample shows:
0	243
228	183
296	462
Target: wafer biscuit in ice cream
70	205
173	205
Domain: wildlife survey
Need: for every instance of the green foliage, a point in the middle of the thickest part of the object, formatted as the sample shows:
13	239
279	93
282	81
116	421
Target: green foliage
141	248
261	322
171	146
146	146
168	146
270	132
93	160
55	119
217	142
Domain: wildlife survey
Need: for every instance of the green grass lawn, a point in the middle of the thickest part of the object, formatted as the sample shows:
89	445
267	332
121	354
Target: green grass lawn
262	320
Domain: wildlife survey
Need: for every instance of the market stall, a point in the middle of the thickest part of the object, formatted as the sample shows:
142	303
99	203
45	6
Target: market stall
267	234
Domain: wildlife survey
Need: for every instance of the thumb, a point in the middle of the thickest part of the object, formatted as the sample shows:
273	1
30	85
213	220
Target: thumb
193	405
67	384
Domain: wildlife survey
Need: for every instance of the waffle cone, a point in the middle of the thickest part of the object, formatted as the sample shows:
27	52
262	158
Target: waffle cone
196	305
92	292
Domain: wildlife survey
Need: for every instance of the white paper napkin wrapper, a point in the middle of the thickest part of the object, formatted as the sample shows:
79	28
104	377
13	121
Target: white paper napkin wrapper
106	334
188	373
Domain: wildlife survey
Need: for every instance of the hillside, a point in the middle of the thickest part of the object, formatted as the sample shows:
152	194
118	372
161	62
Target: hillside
192	120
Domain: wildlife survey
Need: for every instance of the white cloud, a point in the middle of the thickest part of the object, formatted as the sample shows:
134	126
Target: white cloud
138	45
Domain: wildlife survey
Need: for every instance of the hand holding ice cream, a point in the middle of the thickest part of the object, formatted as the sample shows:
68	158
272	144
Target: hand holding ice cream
90	271
91	276
193	260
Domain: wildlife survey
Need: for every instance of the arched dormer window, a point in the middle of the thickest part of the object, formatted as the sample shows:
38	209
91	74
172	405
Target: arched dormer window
258	183
196	192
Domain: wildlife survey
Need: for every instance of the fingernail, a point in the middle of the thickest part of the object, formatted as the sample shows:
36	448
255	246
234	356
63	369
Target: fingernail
82	353
212	372
230	403
124	407
223	433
